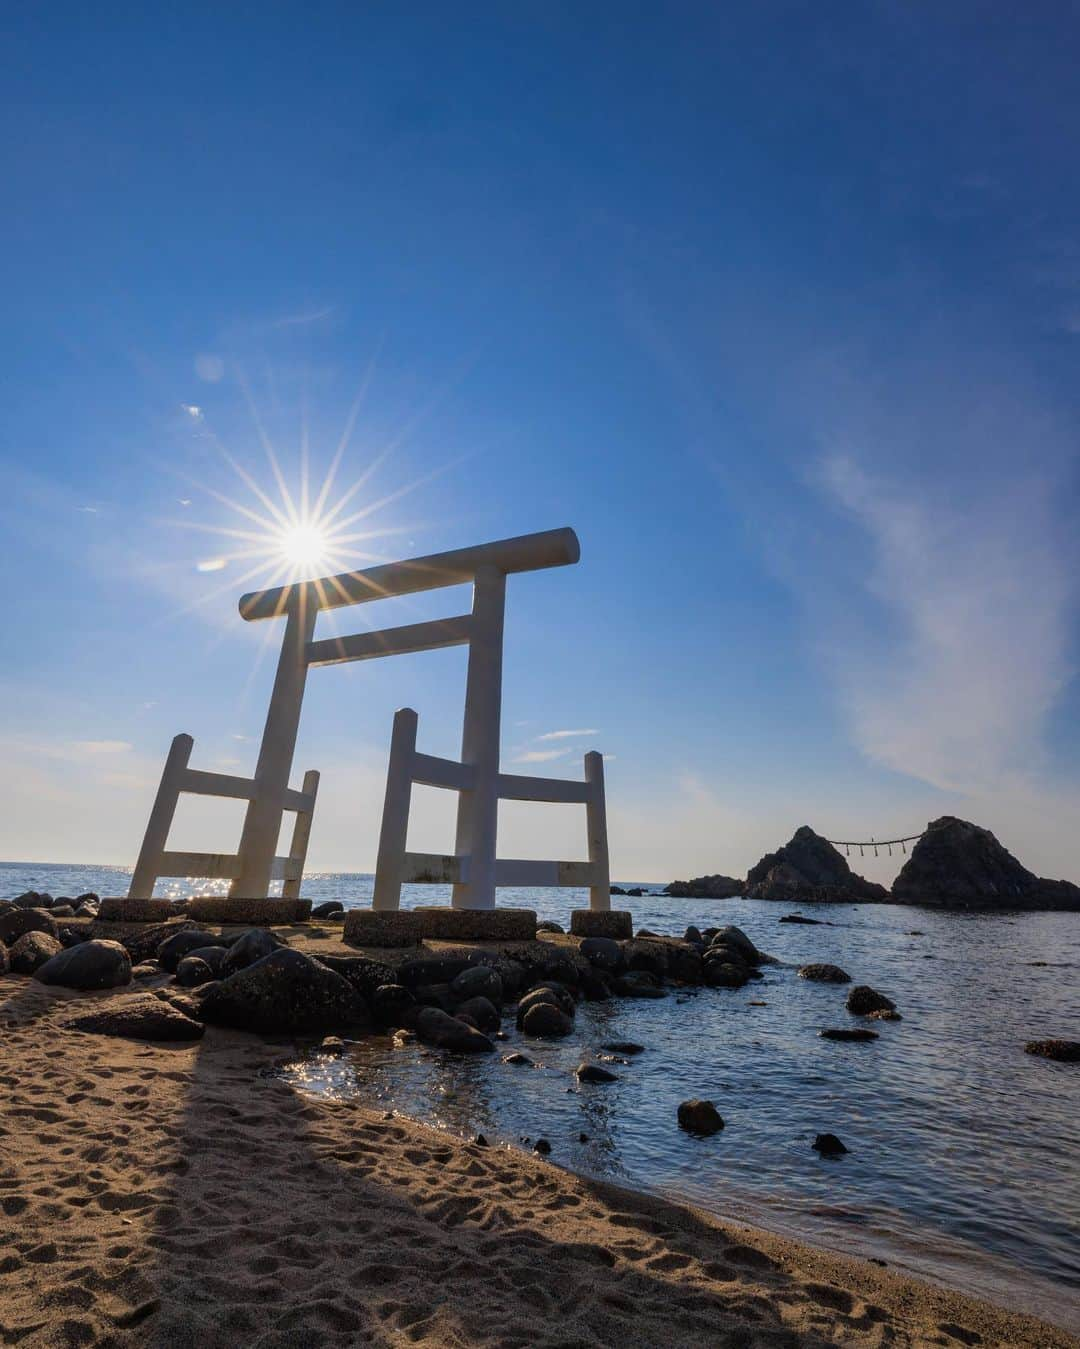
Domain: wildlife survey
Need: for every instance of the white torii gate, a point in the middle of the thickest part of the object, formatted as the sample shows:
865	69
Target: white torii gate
477	779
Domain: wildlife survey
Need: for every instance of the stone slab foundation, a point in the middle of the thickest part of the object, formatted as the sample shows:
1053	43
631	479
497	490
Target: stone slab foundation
136	910
615	923
251	912
445	924
382	927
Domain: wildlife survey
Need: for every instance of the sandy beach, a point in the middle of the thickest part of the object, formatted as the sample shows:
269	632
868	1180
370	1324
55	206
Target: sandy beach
166	1195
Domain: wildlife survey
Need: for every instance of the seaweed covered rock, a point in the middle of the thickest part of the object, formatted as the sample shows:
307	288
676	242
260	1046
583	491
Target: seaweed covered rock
808	867
286	991
864	1000
824	974
1062	1051
956	864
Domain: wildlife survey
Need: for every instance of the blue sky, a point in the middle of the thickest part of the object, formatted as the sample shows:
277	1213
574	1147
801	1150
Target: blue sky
778	306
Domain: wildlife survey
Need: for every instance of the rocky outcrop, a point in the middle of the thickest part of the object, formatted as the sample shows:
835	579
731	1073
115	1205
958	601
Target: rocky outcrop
699	1117
810	868
284	992
960	865
706	887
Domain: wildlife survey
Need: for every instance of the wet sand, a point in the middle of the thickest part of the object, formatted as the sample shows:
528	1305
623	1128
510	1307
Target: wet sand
170	1195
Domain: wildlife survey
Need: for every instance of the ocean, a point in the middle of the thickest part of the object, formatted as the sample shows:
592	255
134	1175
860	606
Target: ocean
964	1152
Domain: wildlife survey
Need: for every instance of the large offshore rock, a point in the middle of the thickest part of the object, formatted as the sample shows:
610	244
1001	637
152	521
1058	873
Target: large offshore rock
91	964
286	991
707	887
957	864
140	1017
808	867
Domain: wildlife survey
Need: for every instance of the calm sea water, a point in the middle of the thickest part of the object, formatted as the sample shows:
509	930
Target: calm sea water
963	1162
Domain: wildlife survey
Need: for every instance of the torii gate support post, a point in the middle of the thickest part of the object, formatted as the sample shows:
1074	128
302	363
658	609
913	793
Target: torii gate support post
262	821
478	809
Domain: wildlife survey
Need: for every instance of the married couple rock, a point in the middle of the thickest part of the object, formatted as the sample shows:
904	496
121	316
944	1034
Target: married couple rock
954	864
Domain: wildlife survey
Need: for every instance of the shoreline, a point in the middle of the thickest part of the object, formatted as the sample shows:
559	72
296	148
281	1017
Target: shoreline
174	1194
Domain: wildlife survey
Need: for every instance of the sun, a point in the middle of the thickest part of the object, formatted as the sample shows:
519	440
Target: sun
305	547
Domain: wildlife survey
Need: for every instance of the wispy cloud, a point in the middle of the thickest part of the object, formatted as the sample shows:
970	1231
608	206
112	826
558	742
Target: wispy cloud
974	592
541	755
102	746
565	735
211	564
194	412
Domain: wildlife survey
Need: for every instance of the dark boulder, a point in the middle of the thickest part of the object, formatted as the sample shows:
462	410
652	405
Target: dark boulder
602	953
179	943
327	908
549	925
824	974
431	970
143	939
706	887
808	867
33	899
286	991
725	974
147	969
624	1047
552	993
595	986
192	971
214	956
140	1017
18	921
693	935
365	975
478	981
32	950
699	1117
828	1145
393	1005
1062	1051
637	984
5	959
92	964
518	1059
592	1072
956	864
863	1000
250	947
737	939
443	1031
546	1020
857	1036
808	922
481	1012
